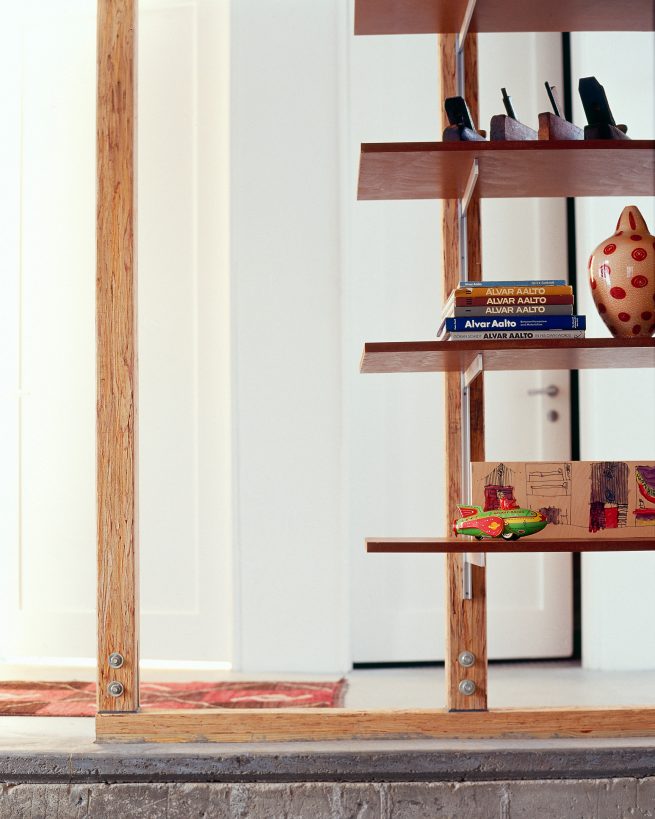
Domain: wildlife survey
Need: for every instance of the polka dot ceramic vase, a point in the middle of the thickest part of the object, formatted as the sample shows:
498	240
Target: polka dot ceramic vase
622	277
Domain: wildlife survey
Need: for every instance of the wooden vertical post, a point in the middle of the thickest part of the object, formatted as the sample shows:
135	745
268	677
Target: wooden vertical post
466	620
116	363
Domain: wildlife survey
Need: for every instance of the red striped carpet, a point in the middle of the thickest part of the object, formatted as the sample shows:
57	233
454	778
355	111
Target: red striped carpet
78	699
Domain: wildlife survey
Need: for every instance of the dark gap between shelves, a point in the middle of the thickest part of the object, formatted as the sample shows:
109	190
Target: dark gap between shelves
574	383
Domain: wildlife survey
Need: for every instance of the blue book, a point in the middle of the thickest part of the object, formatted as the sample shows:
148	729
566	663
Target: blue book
515	283
473	323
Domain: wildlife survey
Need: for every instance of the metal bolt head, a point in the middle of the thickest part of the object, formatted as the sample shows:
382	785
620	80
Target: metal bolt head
466	658
115	689
467	687
116	660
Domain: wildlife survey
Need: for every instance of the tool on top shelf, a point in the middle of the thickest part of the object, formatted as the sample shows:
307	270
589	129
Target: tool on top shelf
555	125
507	126
597	110
461	128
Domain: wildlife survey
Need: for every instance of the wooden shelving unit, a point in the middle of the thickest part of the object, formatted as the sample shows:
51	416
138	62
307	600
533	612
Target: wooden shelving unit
440	170
387	172
460	173
446	16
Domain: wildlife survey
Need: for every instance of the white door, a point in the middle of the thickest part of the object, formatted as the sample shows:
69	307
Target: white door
613	400
47	392
396	421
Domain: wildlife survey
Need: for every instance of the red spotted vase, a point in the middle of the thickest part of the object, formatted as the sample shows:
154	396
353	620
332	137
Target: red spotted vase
622	277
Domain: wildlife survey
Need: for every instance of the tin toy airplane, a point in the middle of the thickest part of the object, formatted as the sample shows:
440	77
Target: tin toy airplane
510	522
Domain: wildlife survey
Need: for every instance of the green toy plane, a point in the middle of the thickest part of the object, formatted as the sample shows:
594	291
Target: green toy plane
509	523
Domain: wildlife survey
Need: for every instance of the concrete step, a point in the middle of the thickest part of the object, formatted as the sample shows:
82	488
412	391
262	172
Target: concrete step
53	768
526	799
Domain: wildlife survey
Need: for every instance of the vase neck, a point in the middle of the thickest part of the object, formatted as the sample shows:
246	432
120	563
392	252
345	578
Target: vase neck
631	221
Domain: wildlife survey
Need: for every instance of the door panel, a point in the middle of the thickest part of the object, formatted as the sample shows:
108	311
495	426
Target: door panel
616	405
47	392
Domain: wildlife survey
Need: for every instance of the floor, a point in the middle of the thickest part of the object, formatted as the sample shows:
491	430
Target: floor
510	684
517	684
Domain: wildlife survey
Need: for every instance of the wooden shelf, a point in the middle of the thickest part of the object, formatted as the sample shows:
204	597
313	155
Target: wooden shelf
440	170
540	354
446	16
438	545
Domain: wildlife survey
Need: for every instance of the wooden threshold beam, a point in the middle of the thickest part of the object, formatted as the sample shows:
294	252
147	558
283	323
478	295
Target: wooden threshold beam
116	373
287	724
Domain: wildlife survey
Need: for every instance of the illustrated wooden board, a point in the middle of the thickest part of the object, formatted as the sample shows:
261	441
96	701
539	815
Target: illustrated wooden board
597	499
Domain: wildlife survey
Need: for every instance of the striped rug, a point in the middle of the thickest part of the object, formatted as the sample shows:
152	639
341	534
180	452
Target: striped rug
78	699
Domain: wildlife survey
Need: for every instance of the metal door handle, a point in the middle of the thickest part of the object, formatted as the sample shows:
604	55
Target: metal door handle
551	390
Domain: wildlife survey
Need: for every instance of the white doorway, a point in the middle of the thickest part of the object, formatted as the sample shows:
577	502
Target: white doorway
47	389
396	443
616	399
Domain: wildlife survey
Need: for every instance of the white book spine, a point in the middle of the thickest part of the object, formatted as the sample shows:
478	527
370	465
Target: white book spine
499	335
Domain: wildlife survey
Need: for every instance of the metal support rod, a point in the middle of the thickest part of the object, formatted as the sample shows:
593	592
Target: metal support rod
473	371
466	22
477	558
463	241
465	479
459	65
461	211
462	208
471	182
467	590
467	579
466	439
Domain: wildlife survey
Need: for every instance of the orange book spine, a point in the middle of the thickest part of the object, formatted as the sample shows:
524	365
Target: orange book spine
513	292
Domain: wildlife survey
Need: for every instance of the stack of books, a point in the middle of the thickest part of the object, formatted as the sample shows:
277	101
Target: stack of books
485	311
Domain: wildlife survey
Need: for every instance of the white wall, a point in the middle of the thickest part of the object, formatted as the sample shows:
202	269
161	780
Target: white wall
394	423
286	255
616	407
185	417
48	390
47	201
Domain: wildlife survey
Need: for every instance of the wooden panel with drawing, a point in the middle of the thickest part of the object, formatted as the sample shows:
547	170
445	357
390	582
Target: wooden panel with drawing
596	499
